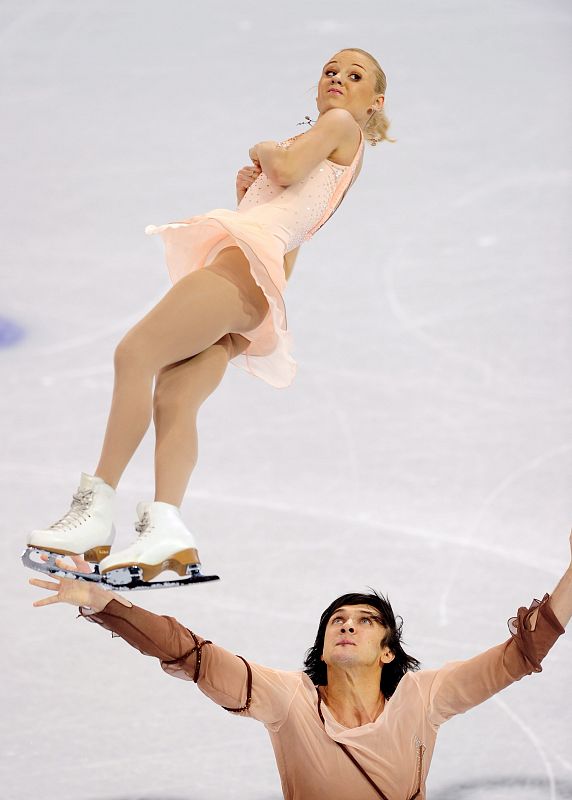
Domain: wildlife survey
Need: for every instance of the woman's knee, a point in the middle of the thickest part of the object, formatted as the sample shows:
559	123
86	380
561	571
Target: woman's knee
130	353
184	386
168	398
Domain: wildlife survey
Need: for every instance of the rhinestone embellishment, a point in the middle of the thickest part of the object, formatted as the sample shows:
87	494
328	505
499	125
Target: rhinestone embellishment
300	208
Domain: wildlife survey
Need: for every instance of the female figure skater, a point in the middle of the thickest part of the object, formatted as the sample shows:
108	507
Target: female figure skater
229	270
360	721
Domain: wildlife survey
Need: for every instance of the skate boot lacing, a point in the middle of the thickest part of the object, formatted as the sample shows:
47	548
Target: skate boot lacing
78	513
144	526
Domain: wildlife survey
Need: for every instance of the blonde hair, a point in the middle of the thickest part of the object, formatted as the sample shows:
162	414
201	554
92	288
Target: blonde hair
376	129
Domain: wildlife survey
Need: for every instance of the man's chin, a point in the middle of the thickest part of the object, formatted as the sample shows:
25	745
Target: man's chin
344	655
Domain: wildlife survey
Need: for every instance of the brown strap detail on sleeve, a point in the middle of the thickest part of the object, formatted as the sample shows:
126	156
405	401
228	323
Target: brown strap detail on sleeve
198	648
354	760
246	706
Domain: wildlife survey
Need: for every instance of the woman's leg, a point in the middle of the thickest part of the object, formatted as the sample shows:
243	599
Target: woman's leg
180	391
197	312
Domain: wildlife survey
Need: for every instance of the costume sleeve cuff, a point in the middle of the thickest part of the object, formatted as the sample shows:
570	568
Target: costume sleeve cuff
535	644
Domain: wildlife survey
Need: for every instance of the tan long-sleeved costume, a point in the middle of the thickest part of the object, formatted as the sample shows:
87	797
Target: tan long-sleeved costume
395	750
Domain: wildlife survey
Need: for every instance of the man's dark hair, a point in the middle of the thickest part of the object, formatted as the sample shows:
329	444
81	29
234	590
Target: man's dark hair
391	673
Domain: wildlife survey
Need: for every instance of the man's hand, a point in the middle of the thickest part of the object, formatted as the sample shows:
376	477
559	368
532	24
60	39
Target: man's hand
73	591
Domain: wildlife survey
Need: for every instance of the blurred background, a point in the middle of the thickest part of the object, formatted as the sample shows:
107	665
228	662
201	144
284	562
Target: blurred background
425	447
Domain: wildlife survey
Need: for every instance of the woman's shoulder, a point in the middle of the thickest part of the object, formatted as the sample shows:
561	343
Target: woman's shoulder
350	136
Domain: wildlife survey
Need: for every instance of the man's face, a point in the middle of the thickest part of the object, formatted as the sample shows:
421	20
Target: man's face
353	638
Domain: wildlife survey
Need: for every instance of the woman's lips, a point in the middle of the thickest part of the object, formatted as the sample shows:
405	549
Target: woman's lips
334	91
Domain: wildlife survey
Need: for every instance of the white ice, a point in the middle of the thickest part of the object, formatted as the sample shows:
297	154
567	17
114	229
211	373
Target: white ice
425	448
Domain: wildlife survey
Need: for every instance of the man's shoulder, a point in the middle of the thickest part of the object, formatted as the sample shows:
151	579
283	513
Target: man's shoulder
415	681
289	676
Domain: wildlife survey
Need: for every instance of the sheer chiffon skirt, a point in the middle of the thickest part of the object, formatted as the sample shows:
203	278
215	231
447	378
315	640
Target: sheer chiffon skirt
194	243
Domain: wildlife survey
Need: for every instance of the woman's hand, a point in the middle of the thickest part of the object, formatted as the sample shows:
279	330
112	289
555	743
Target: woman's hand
74	591
269	156
245	178
253	155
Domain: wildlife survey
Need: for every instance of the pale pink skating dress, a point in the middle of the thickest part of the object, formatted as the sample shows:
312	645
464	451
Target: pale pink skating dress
270	221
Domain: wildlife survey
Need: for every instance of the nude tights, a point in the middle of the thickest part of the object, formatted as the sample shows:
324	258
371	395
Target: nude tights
170	362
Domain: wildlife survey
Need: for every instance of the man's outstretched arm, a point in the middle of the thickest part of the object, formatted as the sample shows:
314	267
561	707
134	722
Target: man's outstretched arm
461	685
561	597
225	678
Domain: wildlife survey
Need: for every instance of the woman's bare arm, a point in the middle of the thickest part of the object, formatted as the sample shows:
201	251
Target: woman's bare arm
288	165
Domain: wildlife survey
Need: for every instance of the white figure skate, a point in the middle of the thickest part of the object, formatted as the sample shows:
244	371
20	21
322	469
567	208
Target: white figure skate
163	543
87	529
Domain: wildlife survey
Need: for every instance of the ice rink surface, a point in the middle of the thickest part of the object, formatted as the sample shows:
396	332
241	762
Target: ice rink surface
425	447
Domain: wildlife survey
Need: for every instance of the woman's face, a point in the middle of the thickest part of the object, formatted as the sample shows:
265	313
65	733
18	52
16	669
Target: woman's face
348	81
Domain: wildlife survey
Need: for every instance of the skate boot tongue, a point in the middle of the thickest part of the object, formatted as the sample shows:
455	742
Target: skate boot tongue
77	513
87	482
145	525
82	500
142	509
81	504
159	513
